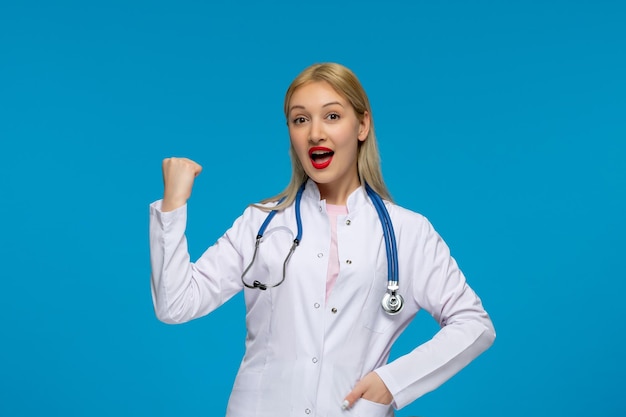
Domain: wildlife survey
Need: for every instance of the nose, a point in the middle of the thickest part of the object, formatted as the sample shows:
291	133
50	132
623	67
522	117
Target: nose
316	134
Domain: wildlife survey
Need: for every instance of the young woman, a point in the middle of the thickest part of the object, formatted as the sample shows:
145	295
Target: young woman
313	279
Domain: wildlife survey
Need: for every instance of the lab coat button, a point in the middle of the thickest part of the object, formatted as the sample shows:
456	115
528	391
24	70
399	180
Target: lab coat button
307	411
334	310
314	360
348	222
316	305
348	261
320	255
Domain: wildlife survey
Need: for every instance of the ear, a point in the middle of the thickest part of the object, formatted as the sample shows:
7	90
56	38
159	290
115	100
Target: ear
364	127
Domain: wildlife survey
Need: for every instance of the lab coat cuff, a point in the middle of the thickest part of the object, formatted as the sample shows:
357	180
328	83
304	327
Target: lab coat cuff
168	217
390	383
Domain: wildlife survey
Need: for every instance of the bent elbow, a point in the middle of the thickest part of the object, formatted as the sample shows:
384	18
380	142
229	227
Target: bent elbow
488	336
165	311
166	318
165	315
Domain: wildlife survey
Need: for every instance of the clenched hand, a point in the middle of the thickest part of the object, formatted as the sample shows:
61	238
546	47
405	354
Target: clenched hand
178	177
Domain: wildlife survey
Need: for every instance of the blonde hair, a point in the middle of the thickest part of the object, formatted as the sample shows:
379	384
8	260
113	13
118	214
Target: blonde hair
344	82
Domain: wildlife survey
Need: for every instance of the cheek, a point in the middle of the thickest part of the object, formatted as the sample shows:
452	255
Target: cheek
349	137
298	150
298	141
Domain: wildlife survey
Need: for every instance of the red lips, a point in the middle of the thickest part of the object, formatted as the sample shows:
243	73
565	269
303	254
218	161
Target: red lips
320	156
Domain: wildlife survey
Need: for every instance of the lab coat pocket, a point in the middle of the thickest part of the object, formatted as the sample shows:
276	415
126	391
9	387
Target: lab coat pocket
366	408
376	319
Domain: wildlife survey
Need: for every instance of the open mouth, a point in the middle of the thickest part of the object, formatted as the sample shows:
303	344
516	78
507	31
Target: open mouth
320	157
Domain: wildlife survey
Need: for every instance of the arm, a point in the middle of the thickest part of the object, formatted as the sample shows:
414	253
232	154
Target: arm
466	329
182	290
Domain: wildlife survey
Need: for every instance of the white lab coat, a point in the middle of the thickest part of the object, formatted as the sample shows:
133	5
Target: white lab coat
304	354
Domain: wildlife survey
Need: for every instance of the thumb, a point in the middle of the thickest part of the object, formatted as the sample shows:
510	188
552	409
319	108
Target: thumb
197	169
354	395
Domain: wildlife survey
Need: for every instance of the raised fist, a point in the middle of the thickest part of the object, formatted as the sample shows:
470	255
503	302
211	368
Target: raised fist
178	177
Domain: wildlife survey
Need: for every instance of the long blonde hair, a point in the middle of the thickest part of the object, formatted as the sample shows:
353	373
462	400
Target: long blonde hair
344	82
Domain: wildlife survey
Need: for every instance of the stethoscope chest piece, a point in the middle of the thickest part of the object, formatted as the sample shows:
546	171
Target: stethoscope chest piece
392	302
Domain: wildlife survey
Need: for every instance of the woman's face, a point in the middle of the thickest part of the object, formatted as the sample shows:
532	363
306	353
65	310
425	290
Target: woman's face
325	133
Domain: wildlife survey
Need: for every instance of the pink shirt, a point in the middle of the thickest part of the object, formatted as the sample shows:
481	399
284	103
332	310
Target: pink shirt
333	261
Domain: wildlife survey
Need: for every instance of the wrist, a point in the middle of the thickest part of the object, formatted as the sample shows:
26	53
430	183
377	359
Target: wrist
170	204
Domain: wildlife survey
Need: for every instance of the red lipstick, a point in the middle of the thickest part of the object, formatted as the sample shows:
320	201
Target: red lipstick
320	156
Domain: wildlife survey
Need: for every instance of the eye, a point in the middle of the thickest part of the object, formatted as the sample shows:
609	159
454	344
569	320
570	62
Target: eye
333	116
299	120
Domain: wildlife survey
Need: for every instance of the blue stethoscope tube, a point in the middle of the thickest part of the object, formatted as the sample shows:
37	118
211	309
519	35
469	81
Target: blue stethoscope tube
392	301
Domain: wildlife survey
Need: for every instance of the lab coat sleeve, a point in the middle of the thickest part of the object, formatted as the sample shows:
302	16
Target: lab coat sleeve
466	331
183	290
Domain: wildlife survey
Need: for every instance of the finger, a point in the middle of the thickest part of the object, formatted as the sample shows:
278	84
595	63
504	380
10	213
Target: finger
354	395
197	169
180	165
190	165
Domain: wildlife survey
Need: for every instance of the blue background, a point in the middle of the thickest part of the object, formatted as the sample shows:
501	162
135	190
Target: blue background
502	122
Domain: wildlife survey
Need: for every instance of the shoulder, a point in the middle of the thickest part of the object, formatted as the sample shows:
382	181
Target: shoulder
414	232
404	216
411	226
255	214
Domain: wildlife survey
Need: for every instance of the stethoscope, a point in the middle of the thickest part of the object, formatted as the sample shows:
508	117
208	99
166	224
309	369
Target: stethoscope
392	301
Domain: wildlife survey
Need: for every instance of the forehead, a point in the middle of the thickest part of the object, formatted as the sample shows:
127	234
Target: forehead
315	93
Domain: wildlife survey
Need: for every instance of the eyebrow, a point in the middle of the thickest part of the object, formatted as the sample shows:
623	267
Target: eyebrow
297	106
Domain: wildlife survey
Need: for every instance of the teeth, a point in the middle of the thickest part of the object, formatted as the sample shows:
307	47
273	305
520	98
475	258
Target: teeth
321	154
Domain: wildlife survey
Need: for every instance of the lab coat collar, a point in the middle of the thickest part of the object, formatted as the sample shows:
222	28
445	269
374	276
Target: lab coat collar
358	198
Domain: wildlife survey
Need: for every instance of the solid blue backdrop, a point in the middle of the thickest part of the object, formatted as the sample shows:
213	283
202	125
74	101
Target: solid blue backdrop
503	123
